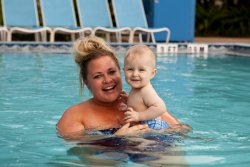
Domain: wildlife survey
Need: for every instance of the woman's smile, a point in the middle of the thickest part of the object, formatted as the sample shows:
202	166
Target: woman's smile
109	88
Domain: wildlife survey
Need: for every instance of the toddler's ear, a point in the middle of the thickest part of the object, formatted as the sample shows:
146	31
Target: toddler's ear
153	73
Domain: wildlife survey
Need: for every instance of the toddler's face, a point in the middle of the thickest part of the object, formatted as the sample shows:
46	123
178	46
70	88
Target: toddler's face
138	70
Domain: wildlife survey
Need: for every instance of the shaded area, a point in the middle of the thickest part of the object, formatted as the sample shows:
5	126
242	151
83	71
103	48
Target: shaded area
228	18
110	150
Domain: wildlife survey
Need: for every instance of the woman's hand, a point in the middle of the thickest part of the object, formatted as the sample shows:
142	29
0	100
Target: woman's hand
127	130
179	128
123	97
121	104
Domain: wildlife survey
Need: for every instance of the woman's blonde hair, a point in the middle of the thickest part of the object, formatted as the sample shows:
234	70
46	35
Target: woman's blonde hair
87	49
86	45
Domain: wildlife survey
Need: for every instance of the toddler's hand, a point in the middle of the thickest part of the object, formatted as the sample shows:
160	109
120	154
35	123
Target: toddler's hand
131	130
131	115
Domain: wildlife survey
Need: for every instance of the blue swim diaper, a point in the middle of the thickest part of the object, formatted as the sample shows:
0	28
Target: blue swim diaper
156	124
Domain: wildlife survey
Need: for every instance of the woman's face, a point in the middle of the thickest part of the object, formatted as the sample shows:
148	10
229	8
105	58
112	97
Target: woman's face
104	79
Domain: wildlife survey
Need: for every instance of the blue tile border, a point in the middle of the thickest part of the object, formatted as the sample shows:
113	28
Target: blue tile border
66	47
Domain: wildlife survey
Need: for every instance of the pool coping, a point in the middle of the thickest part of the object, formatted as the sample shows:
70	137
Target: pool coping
66	47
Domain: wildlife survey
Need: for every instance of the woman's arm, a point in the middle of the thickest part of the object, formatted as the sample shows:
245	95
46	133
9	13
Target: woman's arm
151	107
169	118
70	122
155	109
174	123
155	105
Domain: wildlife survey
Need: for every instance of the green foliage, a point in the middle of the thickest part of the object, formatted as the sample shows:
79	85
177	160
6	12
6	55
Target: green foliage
229	20
1	18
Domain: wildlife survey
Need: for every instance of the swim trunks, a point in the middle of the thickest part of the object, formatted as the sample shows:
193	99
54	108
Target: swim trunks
156	124
110	131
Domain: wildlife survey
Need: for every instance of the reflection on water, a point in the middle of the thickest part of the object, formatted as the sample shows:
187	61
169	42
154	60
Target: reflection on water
151	149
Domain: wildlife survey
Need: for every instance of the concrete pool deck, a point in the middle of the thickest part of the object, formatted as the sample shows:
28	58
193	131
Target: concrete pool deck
222	40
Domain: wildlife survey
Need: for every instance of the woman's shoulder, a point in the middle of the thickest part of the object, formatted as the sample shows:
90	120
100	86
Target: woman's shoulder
74	113
78	107
72	118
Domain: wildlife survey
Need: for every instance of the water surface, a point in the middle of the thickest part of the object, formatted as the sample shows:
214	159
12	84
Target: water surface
210	94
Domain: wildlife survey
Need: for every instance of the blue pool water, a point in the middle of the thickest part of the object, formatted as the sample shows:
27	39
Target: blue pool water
210	94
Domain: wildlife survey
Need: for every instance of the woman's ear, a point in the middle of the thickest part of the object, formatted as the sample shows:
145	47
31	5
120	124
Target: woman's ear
86	83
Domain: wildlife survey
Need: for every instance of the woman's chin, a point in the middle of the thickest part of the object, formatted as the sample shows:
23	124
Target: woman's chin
111	99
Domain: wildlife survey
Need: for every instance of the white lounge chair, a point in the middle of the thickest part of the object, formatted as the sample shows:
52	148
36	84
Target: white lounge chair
20	16
60	16
130	13
3	33
96	14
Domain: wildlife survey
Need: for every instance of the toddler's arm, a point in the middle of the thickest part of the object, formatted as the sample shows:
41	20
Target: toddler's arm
154	105
131	115
152	112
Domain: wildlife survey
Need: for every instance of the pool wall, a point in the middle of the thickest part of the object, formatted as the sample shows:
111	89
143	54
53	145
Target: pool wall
66	47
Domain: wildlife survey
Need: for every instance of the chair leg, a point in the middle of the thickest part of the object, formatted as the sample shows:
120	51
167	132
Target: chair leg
127	36
89	33
167	36
44	36
153	37
52	36
108	37
118	37
73	37
82	34
37	36
92	33
148	37
131	37
2	36
9	36
140	37
5	35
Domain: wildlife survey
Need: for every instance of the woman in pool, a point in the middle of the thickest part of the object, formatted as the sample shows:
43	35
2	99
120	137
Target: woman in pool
100	72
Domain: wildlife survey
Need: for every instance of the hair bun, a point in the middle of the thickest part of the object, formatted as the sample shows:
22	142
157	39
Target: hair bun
86	45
